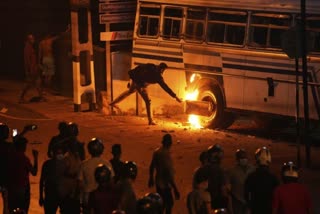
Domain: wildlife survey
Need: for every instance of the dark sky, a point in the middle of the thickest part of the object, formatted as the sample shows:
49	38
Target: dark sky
18	17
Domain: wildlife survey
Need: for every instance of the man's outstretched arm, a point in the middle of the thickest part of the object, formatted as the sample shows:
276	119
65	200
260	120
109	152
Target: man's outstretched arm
165	87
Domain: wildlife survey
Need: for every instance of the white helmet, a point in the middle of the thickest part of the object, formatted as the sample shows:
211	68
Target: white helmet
290	170
263	156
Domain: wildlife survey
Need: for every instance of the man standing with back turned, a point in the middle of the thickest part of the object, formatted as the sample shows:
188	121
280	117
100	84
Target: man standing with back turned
140	77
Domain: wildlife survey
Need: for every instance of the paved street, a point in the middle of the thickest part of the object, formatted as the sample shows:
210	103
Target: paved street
139	140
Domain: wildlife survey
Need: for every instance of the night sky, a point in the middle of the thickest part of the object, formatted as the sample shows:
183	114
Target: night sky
17	18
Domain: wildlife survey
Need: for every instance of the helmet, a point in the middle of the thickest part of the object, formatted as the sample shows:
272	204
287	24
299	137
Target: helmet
241	153
118	212
156	201
203	157
220	211
163	66
73	129
145	205
18	211
263	156
290	170
116	149
102	174
95	147
4	131
167	140
215	153
130	170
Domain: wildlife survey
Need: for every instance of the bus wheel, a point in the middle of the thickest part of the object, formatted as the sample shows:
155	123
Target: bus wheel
213	95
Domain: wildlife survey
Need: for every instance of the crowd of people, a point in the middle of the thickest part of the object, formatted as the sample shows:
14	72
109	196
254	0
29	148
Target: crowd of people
74	184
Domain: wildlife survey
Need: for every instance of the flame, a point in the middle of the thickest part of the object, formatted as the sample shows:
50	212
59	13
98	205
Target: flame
194	120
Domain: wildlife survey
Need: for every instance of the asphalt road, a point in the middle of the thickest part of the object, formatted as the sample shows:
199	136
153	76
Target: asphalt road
139	140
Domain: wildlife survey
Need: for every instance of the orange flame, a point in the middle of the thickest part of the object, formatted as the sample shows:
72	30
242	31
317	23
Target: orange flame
194	120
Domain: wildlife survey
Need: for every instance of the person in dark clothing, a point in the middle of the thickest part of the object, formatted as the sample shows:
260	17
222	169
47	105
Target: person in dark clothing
72	132
164	181
58	139
69	188
260	184
141	76
150	203
19	168
51	173
128	199
104	199
218	184
5	149
116	163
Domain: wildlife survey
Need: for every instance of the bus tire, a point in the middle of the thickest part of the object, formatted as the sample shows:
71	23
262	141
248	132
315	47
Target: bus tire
213	95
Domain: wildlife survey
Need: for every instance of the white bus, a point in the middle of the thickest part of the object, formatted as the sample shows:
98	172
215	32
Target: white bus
228	53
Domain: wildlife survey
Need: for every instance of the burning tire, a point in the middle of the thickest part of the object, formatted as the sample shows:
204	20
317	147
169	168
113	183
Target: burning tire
218	117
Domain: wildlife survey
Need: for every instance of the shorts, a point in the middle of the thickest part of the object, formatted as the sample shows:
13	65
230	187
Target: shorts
48	66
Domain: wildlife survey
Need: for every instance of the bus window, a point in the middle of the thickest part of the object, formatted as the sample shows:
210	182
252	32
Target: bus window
266	29
172	23
226	27
195	24
149	21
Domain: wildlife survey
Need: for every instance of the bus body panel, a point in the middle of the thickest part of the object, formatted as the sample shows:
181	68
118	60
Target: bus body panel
251	77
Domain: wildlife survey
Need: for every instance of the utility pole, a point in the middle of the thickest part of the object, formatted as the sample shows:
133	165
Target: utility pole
305	82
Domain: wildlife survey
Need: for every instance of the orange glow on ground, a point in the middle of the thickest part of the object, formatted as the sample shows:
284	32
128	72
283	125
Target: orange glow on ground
194	120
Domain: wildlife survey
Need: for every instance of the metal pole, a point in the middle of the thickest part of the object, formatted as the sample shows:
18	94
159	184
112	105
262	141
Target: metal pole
305	81
298	114
109	70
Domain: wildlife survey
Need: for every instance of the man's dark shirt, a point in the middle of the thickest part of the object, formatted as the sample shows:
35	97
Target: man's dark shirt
145	74
117	166
51	173
217	180
103	200
259	187
5	149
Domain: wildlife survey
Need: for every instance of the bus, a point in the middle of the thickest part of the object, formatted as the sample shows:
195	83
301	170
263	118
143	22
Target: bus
229	54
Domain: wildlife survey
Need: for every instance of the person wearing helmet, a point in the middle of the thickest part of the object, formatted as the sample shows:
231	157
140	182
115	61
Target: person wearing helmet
150	203
291	196
118	212
163	164
237	176
220	211
116	162
199	199
73	141
6	149
19	168
157	201
103	199
128	198
140	77
218	185
86	176
260	184
203	158
69	189
18	211
50	179
58	139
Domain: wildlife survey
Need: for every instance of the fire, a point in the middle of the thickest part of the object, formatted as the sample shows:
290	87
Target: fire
194	120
